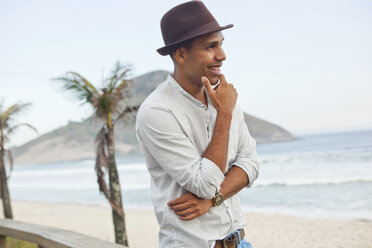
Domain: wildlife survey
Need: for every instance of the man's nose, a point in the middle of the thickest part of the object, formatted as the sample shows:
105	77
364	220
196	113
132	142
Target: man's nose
220	55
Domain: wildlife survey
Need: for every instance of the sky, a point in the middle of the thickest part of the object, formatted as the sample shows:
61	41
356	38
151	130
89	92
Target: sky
305	65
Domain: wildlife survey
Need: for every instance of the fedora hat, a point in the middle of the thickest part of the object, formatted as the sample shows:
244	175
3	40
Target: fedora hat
185	22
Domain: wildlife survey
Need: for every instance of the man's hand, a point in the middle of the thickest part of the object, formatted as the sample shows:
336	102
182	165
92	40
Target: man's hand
189	206
223	97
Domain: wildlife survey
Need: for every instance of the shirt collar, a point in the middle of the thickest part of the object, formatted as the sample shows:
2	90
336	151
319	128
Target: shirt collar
174	83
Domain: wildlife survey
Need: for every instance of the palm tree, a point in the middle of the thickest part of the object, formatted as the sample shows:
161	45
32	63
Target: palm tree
7	127
111	104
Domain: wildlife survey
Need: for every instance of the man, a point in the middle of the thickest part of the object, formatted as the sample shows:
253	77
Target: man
197	146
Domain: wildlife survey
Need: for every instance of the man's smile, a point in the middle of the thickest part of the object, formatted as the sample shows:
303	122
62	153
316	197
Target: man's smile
215	69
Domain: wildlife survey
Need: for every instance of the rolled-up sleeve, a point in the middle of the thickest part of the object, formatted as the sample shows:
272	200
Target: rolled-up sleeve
246	157
159	131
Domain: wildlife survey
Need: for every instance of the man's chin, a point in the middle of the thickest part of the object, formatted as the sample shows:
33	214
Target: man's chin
213	80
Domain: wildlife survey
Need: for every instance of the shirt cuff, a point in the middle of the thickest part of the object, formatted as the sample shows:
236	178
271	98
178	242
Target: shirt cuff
212	173
251	177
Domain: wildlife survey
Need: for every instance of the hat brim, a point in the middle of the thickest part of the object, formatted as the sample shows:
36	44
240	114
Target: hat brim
166	50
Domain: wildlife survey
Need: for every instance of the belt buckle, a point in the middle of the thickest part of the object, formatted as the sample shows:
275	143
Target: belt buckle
232	241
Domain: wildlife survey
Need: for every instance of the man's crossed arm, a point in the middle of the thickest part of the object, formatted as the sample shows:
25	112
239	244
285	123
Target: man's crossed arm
189	206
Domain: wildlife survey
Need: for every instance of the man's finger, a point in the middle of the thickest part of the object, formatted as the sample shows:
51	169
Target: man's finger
185	212
207	85
222	79
189	217
181	206
178	200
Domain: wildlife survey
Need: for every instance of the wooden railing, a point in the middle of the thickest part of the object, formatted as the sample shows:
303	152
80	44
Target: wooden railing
48	237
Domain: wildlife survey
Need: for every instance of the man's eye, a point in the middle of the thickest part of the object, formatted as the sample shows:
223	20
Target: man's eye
213	46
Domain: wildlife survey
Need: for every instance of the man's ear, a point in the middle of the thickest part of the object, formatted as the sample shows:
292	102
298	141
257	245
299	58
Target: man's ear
179	55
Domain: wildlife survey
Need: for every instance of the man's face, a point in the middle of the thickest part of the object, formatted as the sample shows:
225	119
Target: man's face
204	58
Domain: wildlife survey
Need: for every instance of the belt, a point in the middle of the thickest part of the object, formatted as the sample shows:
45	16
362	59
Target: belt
231	241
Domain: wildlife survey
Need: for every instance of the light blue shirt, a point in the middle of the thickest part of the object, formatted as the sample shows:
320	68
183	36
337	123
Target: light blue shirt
174	129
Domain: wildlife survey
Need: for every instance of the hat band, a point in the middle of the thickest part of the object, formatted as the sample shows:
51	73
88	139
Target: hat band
203	29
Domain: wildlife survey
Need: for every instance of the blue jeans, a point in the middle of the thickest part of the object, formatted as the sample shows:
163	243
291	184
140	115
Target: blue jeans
242	243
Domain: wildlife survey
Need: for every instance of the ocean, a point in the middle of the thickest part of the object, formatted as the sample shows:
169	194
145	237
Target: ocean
323	175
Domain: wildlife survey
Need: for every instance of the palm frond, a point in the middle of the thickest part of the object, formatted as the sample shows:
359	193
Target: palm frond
1	105
119	74
114	75
12	129
83	92
122	89
84	81
101	144
121	92
101	161
125	112
13	110
104	189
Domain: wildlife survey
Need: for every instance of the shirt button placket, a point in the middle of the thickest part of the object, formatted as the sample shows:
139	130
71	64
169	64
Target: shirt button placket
208	125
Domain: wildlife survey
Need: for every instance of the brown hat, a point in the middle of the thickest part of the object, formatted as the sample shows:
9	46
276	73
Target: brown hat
184	22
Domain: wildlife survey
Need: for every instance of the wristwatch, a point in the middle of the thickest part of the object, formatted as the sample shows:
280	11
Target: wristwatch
217	199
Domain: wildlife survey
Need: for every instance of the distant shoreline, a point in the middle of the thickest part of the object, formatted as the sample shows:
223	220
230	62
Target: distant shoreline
135	152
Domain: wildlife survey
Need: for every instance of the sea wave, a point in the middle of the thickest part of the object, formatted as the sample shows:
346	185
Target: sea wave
132	167
145	186
318	156
346	214
73	171
73	186
320	181
76	171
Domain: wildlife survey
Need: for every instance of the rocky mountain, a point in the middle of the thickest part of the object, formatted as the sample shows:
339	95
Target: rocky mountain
264	131
76	139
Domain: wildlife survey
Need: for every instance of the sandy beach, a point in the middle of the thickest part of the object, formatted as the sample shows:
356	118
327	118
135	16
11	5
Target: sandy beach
262	230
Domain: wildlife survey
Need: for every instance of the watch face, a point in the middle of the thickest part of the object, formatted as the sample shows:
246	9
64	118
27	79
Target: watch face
218	199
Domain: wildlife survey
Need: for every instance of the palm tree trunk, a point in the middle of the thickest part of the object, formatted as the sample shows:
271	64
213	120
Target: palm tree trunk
4	183
115	191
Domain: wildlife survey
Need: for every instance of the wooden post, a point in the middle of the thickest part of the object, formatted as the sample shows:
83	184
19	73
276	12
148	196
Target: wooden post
2	241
